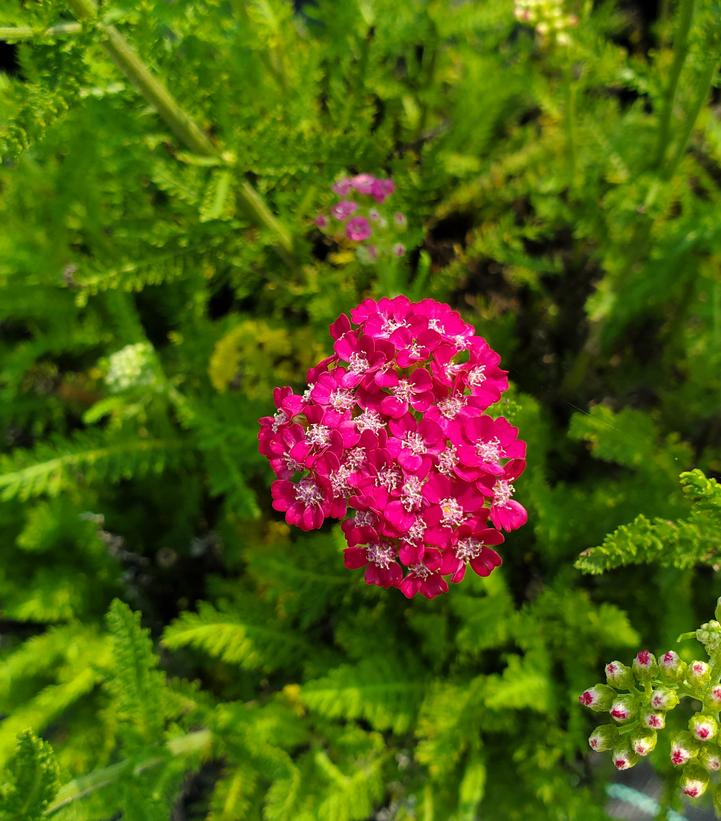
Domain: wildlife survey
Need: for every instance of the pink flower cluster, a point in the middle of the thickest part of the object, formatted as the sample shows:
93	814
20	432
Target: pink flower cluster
393	429
360	216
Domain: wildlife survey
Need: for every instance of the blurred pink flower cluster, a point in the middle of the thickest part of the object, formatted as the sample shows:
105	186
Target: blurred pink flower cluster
393	429
362	217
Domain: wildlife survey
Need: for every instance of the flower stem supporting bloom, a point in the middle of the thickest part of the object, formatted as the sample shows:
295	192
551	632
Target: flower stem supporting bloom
180	123
679	58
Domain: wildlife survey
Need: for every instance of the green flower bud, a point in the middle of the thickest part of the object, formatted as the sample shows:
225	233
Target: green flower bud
698	675
603	738
643	742
653	719
694	781
683	748
624	759
623	708
710	758
671	668
619	675
703	727
598	698
645	666
664	698
717	612
709	635
713	697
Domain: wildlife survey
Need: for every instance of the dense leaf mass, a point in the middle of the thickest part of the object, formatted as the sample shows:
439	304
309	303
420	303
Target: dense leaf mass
170	647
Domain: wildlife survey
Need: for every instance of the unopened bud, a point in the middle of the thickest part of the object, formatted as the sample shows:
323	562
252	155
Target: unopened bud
671	667
624	759
598	698
623	708
710	757
713	697
644	665
619	675
694	781
643	743
653	720
717	612
709	634
703	727
698	674
603	738
664	698
682	749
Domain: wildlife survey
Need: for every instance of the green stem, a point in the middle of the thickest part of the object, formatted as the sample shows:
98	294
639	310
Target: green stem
13	33
679	58
78	788
179	122
571	136
704	89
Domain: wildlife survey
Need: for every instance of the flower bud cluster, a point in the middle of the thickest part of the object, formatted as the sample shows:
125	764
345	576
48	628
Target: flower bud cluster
638	698
130	367
362	217
393	428
548	17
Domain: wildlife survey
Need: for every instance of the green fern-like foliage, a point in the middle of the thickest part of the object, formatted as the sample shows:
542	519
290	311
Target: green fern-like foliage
160	273
683	543
32	775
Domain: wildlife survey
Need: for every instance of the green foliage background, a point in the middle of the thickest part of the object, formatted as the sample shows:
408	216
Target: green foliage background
169	647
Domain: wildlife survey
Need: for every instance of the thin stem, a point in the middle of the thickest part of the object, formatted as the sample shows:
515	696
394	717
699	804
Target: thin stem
704	88
571	136
85	785
179	122
14	33
679	58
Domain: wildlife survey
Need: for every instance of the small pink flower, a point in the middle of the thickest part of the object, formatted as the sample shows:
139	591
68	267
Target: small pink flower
321	221
400	219
358	229
399	249
363	183
343	209
342	187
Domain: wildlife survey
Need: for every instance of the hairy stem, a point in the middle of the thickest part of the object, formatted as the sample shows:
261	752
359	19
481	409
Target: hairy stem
14	33
180	123
679	58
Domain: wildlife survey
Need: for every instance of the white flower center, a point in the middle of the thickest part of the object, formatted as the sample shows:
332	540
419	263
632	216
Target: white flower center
420	571
369	420
502	492
489	450
308	493
390	325
477	376
358	363
280	417
416	531
365	518
436	326
453	514
452	368
355	458
318	435
414	442
307	392
467	549
451	406
447	460
404	390
341	399
291	464
381	555
412	494
388	477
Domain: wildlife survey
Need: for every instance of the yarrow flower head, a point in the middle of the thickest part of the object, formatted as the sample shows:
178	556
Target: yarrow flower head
392	436
549	18
363	218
